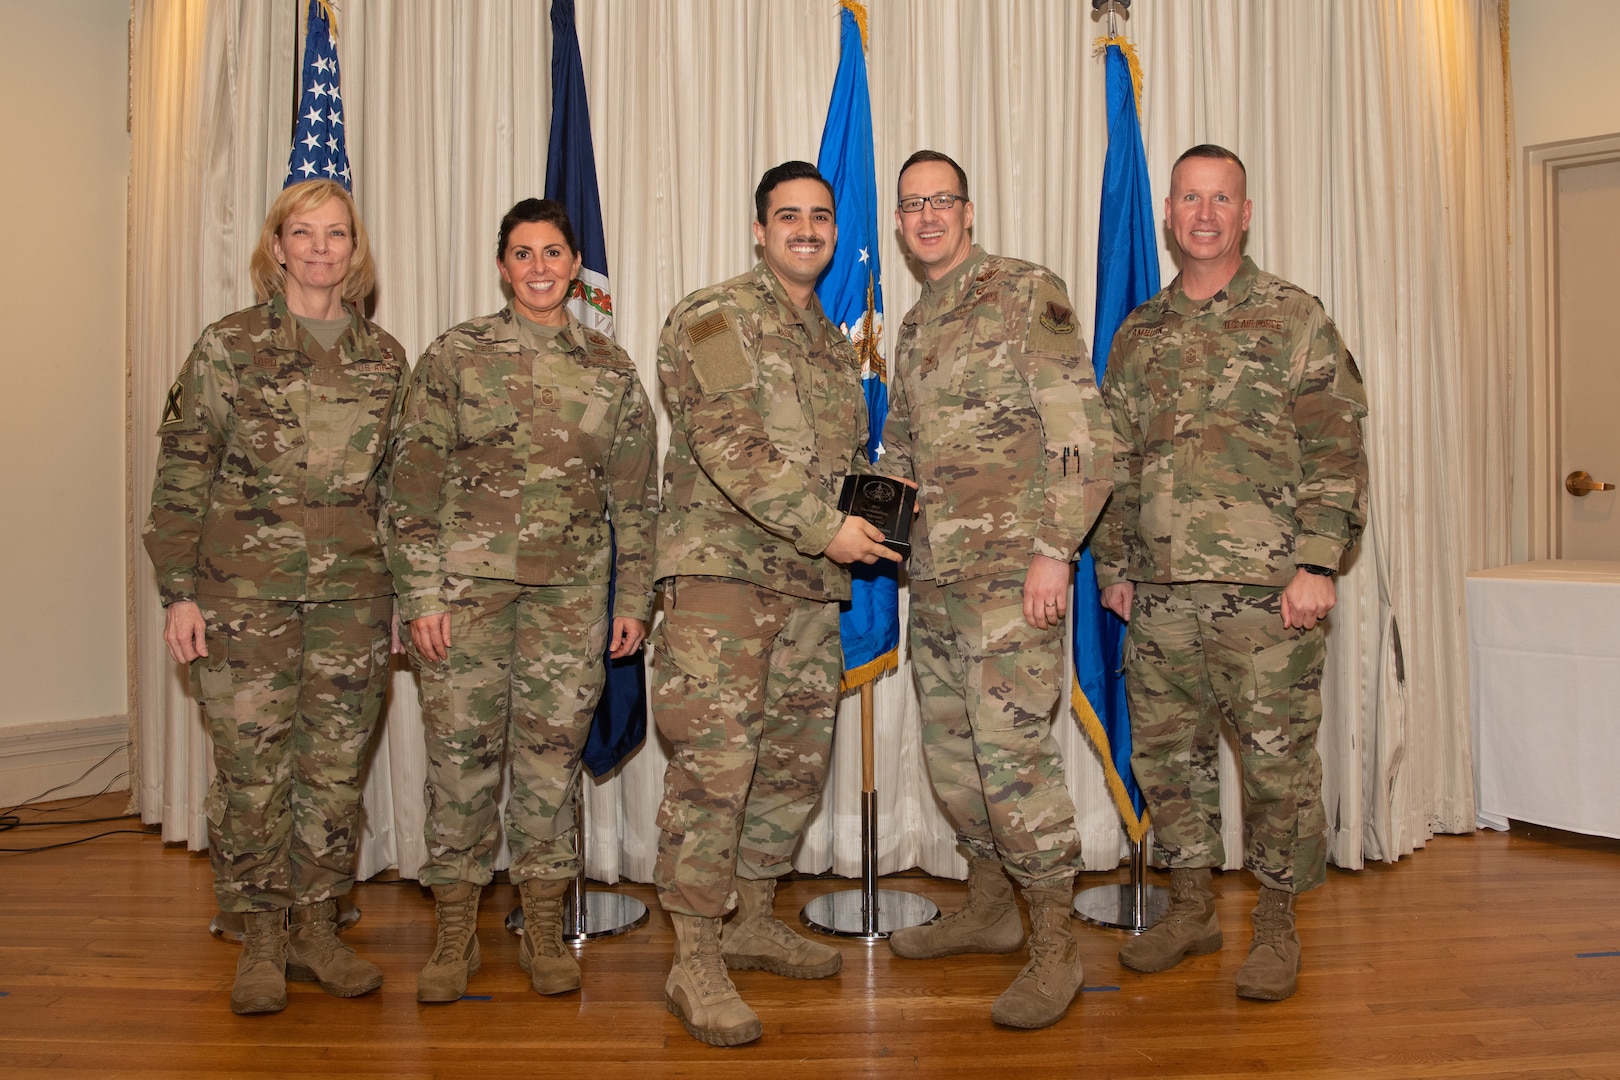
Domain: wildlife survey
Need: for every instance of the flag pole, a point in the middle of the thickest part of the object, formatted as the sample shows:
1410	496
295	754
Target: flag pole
867	913
850	293
1127	275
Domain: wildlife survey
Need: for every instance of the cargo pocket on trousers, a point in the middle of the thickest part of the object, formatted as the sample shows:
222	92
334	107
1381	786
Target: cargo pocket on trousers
1278	673
211	675
214	804
1047	815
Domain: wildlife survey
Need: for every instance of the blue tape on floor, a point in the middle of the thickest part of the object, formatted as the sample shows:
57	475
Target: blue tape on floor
1099	989
1590	955
477	997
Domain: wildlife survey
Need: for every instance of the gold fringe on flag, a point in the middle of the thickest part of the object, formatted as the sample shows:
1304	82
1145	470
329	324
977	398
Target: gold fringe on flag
1136	827
868	671
326	9
1101	46
855	8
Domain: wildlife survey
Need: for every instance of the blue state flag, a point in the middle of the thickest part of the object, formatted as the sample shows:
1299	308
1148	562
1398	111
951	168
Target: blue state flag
620	722
319	151
1127	275
851	293
571	171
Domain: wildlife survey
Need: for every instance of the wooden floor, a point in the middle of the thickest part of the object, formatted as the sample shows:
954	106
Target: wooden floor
1488	955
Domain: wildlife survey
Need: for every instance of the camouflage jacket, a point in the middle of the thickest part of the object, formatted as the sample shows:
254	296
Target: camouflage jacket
994	412
1240	442
271	468
510	463
768	418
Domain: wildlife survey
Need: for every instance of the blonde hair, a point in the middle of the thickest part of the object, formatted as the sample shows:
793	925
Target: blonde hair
270	277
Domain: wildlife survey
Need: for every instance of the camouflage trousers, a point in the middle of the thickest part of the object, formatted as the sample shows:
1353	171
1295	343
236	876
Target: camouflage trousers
745	688
520	684
988	685
291	693
1200	654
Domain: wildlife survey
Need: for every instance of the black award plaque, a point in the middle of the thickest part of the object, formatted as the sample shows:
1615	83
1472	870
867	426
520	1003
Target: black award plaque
886	503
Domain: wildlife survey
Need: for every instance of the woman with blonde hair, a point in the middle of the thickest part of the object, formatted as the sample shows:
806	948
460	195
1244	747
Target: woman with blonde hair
264	534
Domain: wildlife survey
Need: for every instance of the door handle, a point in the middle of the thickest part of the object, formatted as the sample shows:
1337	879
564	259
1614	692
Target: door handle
1580	482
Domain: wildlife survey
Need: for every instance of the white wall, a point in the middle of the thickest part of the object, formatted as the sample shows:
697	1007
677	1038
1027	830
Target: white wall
1562	54
63	108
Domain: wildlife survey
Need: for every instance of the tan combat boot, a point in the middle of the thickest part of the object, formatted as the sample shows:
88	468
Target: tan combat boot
1188	928
987	923
552	968
1042	992
1272	969
698	990
261	971
314	953
756	940
455	956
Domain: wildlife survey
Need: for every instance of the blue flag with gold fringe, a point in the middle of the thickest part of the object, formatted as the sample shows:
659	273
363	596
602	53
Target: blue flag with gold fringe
620	722
851	293
1127	275
320	151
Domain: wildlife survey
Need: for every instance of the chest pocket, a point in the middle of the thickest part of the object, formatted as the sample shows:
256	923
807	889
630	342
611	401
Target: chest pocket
1252	363
577	415
268	420
485	412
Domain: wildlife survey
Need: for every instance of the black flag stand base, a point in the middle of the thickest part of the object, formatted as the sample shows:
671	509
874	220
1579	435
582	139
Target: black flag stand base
867	913
589	913
1135	907
227	925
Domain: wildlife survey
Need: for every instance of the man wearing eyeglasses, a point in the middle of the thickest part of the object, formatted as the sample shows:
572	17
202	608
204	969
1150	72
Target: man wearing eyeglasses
994	413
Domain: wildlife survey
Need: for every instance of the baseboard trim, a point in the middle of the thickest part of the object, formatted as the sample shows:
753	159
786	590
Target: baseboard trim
37	757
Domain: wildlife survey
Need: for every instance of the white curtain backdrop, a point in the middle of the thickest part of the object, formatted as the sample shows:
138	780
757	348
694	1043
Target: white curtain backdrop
1375	138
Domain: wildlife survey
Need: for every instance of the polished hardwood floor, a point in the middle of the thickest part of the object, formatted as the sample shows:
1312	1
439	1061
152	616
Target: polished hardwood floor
1490	955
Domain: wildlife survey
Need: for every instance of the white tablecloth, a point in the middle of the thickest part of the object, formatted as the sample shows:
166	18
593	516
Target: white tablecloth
1544	659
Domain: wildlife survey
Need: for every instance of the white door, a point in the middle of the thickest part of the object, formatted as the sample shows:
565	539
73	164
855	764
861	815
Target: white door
1588	364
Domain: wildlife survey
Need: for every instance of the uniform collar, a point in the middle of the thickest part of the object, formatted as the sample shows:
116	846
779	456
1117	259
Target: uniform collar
945	294
288	336
1235	293
504	327
787	311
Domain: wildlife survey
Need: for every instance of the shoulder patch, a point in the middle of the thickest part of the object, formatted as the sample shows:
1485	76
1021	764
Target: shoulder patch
1347	384
718	358
179	406
1052	326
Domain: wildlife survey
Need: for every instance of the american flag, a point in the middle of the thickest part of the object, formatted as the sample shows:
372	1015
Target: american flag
319	150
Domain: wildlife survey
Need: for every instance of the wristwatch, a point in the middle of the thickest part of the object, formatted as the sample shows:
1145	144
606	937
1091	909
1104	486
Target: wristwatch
1319	571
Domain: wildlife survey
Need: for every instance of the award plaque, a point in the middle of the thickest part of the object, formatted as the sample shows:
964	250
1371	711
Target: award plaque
886	503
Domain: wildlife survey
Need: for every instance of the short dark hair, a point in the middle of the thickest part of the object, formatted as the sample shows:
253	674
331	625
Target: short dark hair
781	174
933	155
1214	152
529	211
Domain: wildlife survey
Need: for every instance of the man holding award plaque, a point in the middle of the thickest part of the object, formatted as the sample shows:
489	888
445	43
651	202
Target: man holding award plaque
994	412
768	419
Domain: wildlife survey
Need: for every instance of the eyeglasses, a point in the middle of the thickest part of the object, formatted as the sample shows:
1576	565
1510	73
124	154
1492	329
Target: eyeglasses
938	202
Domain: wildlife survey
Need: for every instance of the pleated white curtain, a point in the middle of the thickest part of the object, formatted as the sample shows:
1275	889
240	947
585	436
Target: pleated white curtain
1375	139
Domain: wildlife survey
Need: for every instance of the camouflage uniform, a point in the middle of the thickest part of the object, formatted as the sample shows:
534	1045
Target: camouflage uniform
995	414
265	513
514	450
1240	459
768	418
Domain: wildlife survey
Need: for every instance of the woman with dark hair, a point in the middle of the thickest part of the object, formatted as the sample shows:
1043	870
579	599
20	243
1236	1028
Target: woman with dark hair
524	434
264	533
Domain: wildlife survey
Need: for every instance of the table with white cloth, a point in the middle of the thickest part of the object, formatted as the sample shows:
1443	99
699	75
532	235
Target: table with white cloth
1544	662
